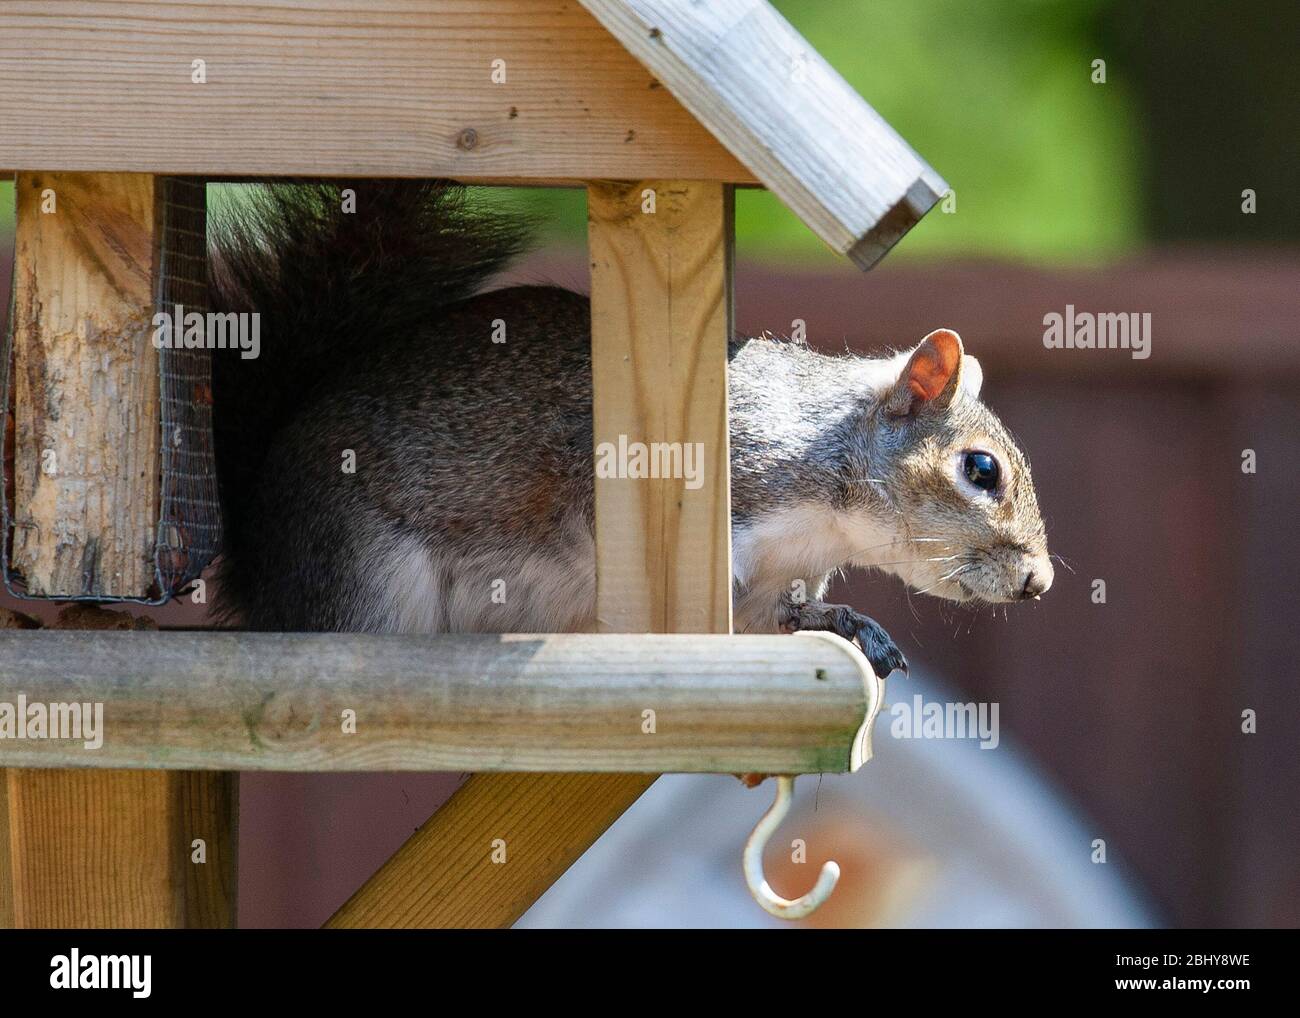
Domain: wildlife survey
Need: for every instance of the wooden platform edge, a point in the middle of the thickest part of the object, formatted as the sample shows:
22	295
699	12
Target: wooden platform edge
356	702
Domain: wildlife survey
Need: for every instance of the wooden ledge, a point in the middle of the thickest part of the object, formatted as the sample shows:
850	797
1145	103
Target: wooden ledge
572	702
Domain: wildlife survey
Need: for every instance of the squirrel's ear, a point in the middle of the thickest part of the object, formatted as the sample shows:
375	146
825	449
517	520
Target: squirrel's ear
932	375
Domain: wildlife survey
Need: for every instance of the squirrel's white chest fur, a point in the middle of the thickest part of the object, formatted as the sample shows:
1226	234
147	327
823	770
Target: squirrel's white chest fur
801	543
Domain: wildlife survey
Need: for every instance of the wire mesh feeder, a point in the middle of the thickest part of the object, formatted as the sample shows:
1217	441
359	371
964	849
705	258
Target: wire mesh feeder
188	532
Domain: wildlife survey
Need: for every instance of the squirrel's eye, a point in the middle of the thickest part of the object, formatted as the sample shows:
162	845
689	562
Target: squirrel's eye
981	470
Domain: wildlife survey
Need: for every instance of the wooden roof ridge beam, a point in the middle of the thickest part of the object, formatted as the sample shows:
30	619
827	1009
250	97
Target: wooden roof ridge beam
744	73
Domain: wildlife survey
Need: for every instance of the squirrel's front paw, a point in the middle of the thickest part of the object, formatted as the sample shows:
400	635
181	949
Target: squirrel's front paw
879	647
842	620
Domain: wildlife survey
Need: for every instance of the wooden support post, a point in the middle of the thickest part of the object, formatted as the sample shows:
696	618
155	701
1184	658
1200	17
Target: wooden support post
101	848
660	323
661	317
95	849
86	454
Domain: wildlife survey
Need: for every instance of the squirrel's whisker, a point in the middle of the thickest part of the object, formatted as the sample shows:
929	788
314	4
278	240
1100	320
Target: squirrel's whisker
917	561
900	540
1061	560
955	573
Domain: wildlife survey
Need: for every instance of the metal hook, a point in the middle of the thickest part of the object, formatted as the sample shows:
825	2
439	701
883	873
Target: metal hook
782	908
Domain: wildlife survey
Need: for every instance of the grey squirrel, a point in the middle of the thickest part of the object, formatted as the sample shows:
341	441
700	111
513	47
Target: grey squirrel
473	459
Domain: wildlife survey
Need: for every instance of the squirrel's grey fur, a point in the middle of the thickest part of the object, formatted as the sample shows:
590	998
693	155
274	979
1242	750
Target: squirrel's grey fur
473	459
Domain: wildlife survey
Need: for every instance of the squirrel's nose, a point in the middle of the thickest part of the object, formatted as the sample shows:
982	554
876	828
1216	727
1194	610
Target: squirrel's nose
1038	579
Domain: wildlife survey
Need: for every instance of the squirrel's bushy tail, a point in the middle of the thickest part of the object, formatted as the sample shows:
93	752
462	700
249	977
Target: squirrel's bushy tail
328	284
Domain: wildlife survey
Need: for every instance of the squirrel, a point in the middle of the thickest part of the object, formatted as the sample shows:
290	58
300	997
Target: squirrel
474	460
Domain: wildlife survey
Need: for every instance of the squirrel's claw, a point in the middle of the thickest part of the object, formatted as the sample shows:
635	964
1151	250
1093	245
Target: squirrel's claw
880	650
842	620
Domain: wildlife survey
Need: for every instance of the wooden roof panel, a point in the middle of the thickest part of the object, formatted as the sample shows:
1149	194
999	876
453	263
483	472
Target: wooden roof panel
785	113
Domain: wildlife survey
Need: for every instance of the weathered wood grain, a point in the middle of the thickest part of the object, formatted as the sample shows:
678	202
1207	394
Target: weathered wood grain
572	702
87	458
94	848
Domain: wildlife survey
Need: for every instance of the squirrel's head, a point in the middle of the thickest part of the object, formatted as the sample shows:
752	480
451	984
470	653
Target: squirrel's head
954	481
